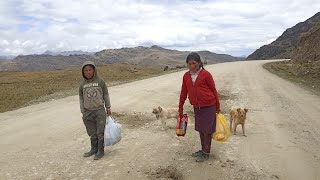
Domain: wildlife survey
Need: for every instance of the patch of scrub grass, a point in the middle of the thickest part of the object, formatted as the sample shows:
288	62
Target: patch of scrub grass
19	89
306	74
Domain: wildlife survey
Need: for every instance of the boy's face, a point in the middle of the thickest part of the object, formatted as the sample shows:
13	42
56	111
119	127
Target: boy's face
88	72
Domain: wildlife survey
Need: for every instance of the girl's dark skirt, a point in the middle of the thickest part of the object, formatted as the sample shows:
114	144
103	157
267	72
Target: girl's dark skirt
205	119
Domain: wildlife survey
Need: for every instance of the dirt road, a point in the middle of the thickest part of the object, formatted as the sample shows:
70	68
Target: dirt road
46	141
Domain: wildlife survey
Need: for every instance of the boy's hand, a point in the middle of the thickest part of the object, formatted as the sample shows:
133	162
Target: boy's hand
108	111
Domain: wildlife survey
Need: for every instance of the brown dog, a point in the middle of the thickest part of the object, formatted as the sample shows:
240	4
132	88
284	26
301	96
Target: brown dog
165	113
238	116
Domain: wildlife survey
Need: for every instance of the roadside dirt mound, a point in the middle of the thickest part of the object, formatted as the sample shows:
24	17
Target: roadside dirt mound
134	120
168	172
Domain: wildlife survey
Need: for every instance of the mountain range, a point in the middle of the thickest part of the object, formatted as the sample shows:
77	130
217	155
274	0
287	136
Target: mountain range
152	57
3	58
67	53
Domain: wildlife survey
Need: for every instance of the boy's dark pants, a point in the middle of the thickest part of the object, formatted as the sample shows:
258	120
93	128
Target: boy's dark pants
95	122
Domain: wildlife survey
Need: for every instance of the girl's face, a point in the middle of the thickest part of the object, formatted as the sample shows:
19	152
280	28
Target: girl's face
88	72
193	66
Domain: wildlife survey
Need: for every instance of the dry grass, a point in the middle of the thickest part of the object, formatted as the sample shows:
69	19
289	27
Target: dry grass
19	89
305	74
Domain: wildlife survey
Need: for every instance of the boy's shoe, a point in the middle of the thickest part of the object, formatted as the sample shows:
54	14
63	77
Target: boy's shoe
196	154
100	152
202	157
94	148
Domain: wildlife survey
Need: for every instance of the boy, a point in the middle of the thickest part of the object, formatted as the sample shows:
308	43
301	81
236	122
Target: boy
94	105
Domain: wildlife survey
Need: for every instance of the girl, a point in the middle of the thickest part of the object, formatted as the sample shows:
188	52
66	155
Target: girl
199	86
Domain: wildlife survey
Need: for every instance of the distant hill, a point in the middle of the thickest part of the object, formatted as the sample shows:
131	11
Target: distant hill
3	58
282	47
67	53
43	62
154	57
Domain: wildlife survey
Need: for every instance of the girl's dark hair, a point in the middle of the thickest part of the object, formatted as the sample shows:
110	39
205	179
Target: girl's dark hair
194	57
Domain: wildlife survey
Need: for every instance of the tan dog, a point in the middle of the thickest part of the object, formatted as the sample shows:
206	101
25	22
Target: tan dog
238	116
164	114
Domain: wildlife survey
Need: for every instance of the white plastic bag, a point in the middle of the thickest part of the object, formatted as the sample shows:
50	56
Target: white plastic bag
112	132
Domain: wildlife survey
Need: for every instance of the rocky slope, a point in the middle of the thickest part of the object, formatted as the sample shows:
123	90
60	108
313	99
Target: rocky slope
306	55
282	47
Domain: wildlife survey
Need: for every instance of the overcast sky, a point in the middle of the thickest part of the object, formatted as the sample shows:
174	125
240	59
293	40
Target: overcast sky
235	27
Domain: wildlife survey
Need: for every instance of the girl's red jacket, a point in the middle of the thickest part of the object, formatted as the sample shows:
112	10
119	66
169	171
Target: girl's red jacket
202	93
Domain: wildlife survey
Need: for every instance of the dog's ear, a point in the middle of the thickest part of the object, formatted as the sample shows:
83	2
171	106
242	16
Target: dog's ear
160	109
238	110
246	109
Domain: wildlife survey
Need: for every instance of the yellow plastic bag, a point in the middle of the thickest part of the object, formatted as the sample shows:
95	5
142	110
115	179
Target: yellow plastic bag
222	130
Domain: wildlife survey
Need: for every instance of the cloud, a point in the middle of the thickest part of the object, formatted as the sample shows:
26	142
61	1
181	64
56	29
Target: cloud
231	27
